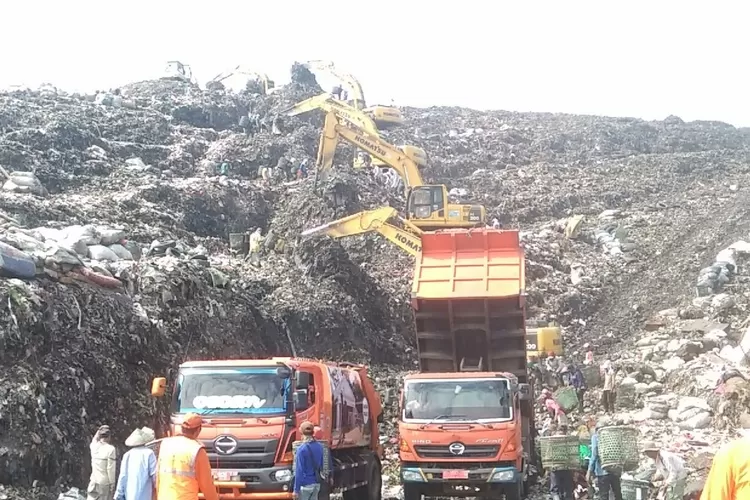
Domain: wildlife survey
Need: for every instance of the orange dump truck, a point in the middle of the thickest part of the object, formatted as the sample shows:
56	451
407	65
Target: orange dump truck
466	425
251	413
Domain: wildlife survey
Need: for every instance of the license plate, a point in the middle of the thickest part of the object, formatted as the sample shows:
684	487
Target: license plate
224	475
456	474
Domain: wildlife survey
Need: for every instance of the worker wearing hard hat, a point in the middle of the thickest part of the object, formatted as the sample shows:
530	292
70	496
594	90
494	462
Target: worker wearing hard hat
183	469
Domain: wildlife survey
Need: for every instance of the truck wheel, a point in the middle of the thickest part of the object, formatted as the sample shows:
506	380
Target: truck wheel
375	483
411	492
514	492
373	489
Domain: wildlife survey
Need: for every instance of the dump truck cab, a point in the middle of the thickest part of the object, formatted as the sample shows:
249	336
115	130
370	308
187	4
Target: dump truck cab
467	423
252	410
461	435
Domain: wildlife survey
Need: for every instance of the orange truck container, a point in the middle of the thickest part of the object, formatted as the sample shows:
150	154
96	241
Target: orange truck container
251	413
466	425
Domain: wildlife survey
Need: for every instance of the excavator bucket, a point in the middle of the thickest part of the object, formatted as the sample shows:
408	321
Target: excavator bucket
469	264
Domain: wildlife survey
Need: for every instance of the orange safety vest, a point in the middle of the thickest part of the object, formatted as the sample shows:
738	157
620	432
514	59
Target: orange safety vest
176	478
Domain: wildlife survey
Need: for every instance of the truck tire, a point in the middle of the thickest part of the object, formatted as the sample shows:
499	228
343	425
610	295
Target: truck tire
412	492
375	482
373	489
515	492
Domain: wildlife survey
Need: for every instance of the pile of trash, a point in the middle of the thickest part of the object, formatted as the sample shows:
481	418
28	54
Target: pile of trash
118	211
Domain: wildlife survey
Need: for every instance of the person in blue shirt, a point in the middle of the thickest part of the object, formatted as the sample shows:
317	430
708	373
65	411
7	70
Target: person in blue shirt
309	465
605	480
138	468
578	381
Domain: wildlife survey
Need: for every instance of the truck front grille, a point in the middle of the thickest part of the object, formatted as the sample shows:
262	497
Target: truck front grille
442	451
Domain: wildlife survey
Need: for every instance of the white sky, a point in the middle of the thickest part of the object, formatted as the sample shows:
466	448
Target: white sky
629	58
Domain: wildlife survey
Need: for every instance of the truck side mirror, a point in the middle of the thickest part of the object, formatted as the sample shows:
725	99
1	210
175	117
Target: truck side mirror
158	387
300	400
302	380
524	392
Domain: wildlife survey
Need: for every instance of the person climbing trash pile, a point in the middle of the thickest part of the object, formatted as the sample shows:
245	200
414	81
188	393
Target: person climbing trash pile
553	408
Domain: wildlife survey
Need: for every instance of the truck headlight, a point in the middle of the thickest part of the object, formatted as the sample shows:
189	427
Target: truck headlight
411	475
282	476
504	475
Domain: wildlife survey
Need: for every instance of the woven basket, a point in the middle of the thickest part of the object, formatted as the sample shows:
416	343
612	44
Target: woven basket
635	489
567	398
618	448
559	452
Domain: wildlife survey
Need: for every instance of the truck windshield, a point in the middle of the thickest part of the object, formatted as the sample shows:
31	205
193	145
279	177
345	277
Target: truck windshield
457	400
253	391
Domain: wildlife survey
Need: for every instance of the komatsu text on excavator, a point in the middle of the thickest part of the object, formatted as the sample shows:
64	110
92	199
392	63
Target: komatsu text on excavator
428	206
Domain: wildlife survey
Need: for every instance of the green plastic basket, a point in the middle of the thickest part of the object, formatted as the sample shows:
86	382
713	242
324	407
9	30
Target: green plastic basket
567	398
618	448
559	452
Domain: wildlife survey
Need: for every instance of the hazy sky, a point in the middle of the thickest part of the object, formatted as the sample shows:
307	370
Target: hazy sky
632	58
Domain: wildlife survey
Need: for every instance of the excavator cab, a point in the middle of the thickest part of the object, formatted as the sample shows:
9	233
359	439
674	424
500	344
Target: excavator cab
385	117
428	209
175	69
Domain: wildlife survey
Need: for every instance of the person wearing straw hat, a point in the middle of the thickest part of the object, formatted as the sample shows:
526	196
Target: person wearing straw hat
670	468
137	479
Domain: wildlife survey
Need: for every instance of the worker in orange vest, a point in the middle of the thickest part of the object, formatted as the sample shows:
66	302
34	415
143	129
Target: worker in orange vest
183	469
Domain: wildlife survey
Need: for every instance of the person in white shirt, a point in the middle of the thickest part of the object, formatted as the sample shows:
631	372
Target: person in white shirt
103	466
670	468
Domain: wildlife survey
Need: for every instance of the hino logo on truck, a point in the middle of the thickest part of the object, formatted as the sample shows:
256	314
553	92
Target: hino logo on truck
371	146
409	243
225	445
457	448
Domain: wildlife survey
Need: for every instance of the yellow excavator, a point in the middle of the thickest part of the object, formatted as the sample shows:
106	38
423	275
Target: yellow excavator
427	206
267	85
357	118
383	116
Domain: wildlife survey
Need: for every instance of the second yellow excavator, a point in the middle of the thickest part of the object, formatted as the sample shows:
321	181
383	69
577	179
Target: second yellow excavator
266	85
384	116
357	118
427	206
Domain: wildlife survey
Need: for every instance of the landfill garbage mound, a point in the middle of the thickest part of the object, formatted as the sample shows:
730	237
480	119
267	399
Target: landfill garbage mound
118	213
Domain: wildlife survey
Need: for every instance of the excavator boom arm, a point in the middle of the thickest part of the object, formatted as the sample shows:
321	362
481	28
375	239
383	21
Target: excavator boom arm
330	105
368	221
372	144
